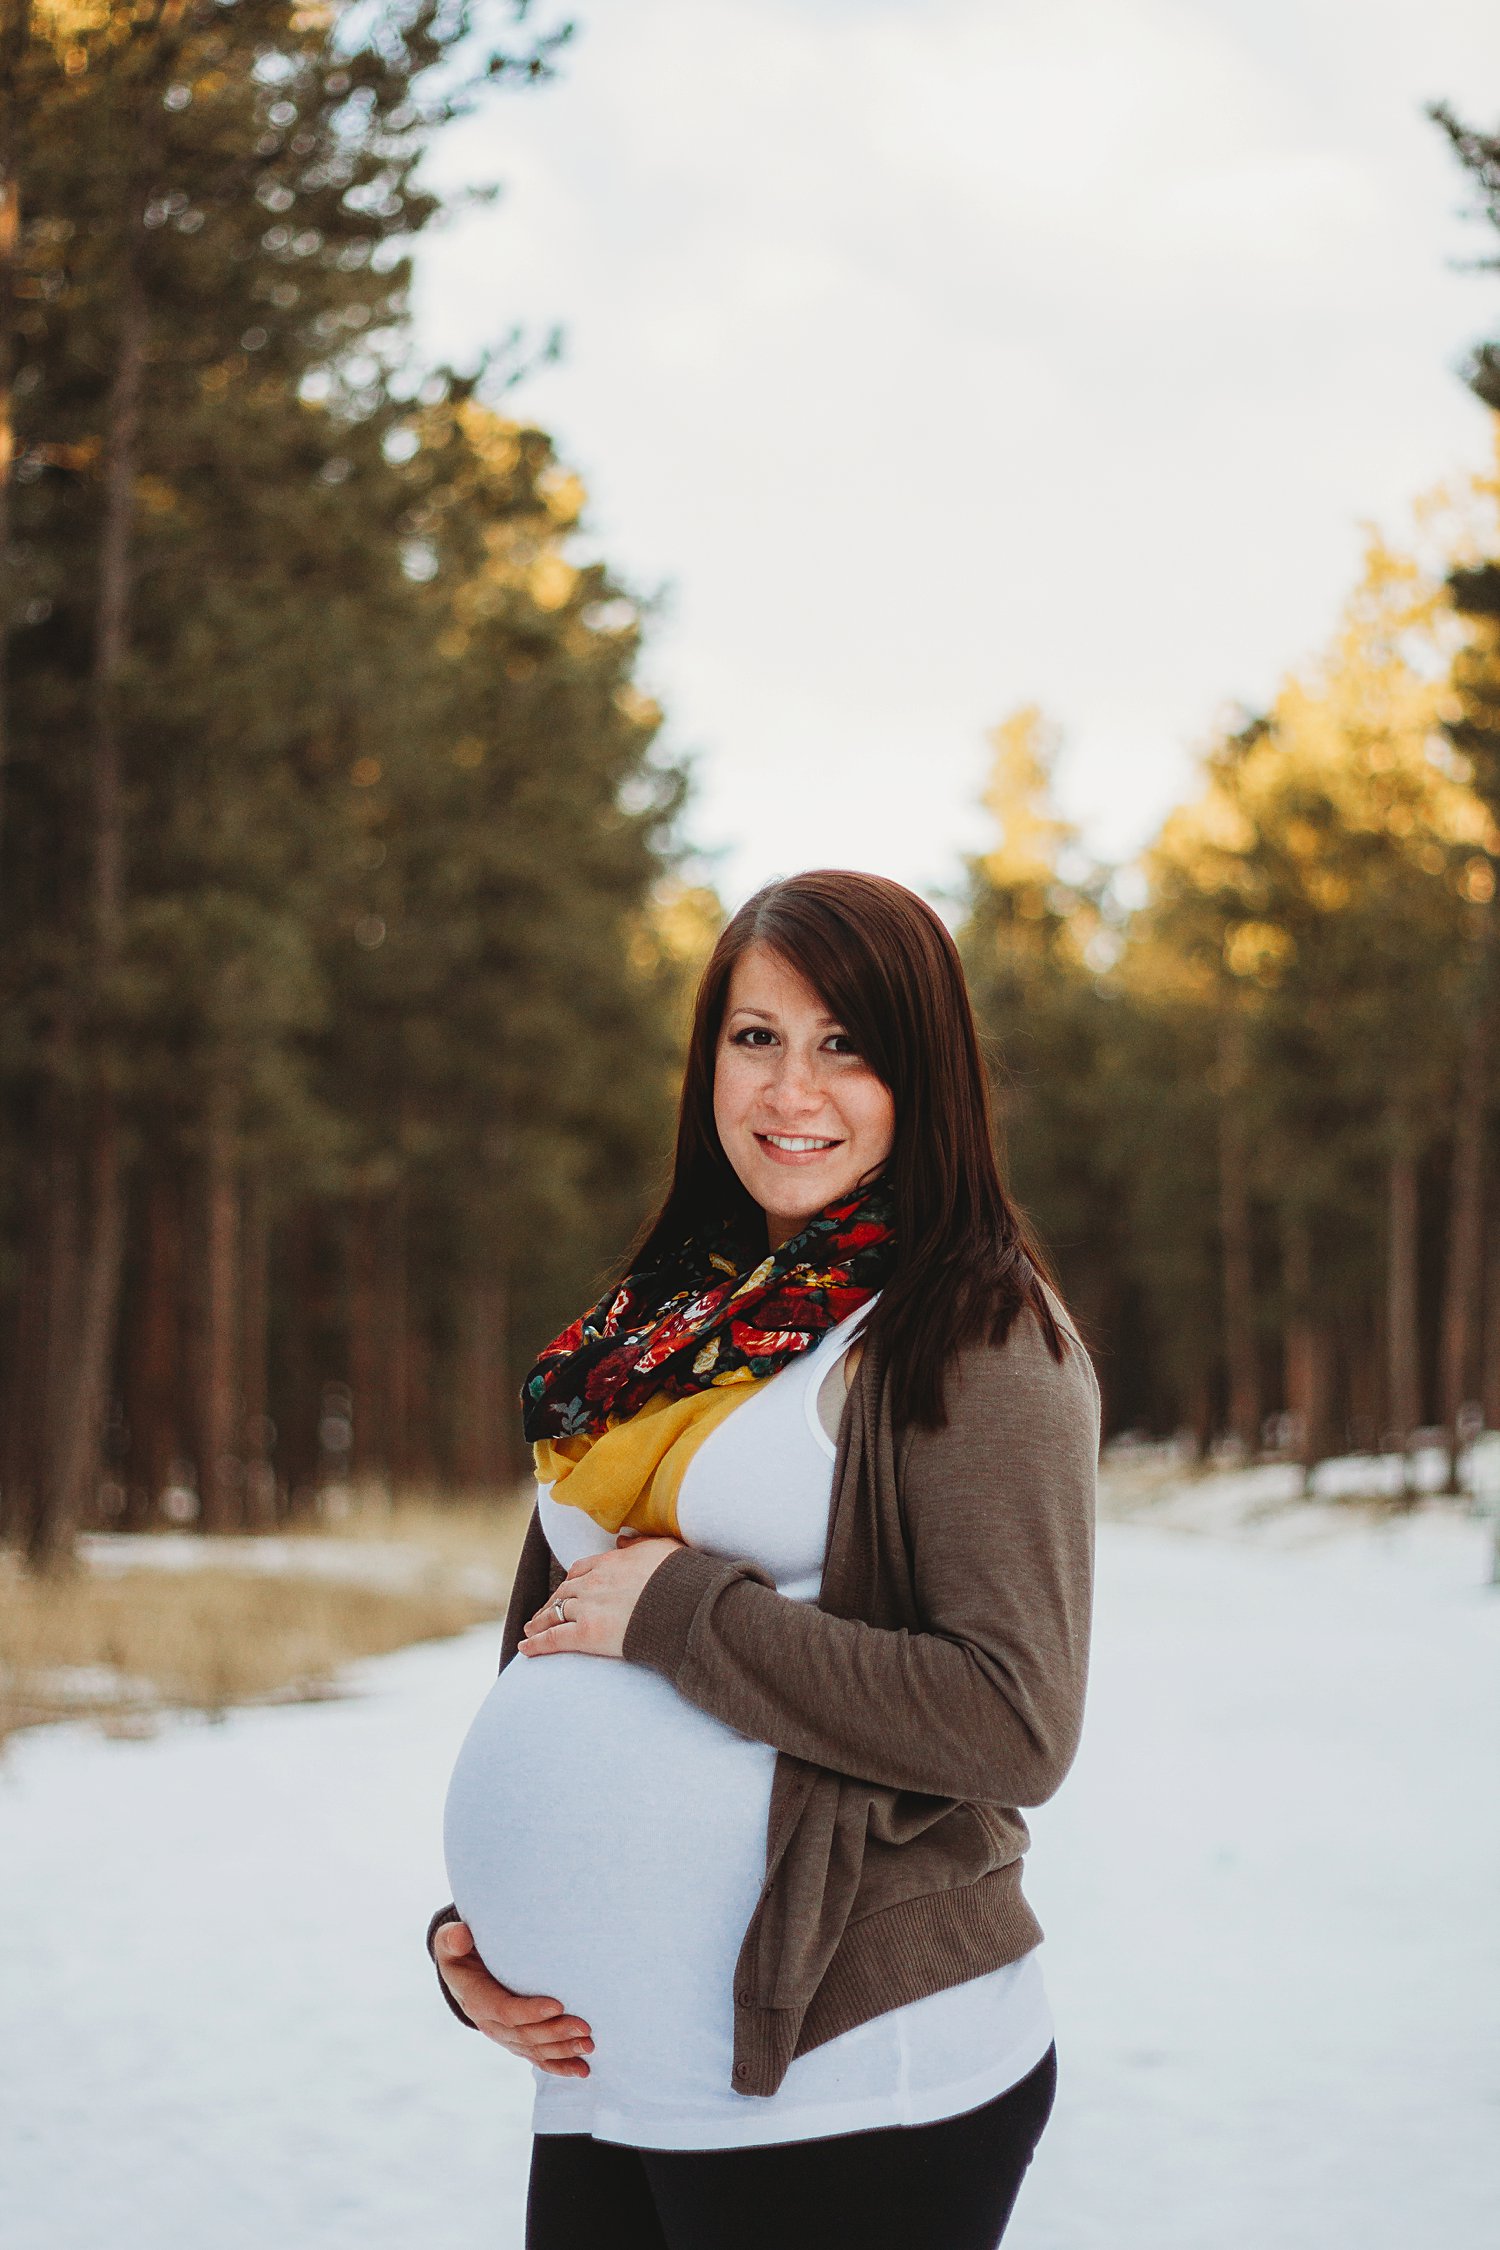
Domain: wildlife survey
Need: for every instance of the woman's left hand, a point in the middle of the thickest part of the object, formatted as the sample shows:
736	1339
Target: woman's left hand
600	1592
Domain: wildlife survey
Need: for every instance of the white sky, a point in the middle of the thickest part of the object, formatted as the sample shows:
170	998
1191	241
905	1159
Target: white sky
943	355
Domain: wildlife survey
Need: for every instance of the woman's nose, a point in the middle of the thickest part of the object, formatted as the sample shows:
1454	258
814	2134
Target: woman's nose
794	1082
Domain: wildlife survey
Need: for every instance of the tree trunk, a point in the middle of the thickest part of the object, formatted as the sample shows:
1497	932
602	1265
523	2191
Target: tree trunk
51	1275
47	1308
218	1417
153	1375
396	1339
1403	1362
1200	1412
88	1266
1489	1396
111	640
297	1444
1463	1277
368	1457
1364	1362
483	1452
1235	1232
420	1463
379	1345
1364	1365
91	1212
1307	1345
23	1368
256	1431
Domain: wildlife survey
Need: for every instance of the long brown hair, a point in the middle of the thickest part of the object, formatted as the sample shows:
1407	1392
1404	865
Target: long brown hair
886	967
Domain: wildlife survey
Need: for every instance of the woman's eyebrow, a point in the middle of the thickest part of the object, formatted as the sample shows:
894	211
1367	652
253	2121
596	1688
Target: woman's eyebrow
767	1017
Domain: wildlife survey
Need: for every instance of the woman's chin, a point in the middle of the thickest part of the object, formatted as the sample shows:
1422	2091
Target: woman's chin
788	1215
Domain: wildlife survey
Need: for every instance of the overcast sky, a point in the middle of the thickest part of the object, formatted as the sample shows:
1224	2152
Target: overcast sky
944	355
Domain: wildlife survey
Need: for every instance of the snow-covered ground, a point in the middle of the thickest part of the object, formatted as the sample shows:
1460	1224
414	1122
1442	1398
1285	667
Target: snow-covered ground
1271	1887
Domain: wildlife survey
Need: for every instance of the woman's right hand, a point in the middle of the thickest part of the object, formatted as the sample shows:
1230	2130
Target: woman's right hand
530	2025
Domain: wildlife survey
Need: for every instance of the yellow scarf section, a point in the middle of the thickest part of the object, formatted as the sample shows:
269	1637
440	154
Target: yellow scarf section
631	1472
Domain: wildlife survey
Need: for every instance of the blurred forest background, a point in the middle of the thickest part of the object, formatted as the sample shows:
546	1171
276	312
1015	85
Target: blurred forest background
347	929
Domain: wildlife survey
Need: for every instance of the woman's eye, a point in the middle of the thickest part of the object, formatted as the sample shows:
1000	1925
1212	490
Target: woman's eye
761	1036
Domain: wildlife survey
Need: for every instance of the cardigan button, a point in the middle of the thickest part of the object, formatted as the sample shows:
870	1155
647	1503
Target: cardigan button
742	2070
743	1995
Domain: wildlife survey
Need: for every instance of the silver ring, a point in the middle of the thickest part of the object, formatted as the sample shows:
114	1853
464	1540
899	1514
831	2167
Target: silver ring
560	1612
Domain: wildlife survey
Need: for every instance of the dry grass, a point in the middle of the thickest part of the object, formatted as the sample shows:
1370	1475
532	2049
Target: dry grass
125	1636
453	1531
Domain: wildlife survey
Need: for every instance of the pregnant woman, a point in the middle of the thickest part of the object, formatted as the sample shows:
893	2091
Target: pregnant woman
800	1622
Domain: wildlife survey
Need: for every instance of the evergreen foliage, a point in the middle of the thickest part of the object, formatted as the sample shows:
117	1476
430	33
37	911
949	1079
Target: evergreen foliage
337	1030
1250	1083
1230	1119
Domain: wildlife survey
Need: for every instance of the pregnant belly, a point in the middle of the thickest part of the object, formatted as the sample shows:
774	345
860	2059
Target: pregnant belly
605	1842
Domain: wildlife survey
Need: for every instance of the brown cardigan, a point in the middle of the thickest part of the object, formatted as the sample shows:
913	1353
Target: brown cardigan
934	1687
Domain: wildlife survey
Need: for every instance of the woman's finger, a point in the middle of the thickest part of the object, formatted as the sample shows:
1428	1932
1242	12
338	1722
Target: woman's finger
545	2017
578	2050
546	1617
561	2031
454	1940
547	1638
560	2050
533	2047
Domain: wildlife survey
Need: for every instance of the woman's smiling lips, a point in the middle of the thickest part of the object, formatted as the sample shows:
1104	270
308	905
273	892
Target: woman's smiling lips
797	1155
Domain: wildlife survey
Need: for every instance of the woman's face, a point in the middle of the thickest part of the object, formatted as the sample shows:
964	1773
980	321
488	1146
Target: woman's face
786	1071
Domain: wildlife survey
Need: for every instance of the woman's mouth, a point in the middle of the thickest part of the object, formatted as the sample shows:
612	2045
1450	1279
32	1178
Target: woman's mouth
796	1148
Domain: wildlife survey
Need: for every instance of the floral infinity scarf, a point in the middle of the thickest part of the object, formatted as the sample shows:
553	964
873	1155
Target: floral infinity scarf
699	1322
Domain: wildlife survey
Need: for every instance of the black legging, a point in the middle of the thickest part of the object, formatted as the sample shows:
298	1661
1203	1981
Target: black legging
950	2185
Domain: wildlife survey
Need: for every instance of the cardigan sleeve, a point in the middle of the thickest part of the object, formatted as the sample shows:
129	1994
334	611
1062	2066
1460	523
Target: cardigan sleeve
983	1702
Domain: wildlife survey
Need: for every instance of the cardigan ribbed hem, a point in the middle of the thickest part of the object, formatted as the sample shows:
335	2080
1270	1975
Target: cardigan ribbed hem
901	1953
446	1914
656	1632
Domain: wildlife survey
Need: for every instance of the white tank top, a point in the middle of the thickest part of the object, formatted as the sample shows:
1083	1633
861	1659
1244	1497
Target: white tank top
605	1840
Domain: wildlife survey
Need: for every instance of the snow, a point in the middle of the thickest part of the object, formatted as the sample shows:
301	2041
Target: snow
90	1683
1271	1887
396	1565
1272	1883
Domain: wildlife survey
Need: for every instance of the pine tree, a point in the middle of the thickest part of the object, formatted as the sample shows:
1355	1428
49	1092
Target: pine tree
1321	886
213	203
1036	915
1471	1318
